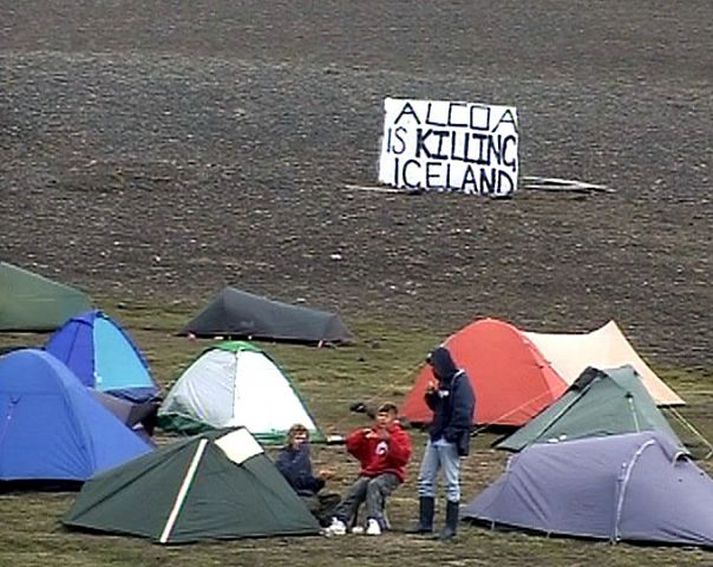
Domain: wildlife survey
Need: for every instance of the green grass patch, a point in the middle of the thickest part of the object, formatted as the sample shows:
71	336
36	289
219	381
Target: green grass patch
381	365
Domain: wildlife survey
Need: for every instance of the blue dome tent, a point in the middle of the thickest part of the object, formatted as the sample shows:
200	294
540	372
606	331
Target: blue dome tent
52	428
103	356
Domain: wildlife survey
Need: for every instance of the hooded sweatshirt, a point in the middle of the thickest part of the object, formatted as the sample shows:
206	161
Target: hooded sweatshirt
379	456
453	403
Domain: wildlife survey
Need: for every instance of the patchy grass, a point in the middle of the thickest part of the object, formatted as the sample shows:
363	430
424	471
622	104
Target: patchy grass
381	365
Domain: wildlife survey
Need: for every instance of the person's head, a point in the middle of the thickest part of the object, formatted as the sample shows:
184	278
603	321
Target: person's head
442	364
386	414
297	436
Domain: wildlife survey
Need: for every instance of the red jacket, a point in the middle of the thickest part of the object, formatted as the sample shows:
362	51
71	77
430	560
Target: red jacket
379	456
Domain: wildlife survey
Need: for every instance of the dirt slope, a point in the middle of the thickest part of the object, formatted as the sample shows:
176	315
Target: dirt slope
166	150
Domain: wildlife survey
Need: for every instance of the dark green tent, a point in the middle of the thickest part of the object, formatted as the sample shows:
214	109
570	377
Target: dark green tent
239	314
30	302
598	403
219	485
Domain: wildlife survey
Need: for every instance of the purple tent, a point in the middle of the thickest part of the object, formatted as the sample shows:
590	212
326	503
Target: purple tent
634	487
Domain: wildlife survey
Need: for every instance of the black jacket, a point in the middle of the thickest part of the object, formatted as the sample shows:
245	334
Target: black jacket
452	403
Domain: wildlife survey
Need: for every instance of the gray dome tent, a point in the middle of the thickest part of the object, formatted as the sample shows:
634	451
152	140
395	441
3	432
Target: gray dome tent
632	487
238	314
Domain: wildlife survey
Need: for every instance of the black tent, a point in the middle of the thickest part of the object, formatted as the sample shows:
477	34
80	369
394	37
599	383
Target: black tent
238	314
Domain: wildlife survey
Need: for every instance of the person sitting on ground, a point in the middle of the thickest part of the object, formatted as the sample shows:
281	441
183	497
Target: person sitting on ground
293	461
383	451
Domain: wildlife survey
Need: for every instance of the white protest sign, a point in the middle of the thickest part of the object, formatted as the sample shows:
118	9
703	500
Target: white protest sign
449	146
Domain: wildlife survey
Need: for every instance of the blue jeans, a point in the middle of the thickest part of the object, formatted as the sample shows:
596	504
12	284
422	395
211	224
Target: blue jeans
440	455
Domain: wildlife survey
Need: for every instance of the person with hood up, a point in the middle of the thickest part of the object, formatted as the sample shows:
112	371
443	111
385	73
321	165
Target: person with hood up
450	396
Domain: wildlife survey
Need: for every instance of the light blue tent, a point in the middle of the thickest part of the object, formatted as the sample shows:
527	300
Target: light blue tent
103	356
51	428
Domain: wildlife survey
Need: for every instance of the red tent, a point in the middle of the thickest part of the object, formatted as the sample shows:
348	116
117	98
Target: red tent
511	380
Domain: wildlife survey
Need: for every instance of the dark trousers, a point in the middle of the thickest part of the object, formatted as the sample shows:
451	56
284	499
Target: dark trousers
322	506
373	491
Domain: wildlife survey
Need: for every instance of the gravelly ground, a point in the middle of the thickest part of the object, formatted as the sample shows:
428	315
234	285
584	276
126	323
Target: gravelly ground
163	150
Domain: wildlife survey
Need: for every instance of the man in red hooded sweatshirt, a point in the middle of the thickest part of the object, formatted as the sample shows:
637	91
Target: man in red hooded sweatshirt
383	451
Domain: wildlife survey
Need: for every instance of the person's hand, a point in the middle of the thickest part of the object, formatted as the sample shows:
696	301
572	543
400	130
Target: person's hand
370	433
378	433
432	386
325	474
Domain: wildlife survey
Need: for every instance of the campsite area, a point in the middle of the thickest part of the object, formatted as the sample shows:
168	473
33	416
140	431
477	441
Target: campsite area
34	534
151	155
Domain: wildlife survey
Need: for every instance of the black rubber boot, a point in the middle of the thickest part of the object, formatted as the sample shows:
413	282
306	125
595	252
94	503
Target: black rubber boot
425	516
451	527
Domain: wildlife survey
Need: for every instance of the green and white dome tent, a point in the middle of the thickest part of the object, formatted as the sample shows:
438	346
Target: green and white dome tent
234	383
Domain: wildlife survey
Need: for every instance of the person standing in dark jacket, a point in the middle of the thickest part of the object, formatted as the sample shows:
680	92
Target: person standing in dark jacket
293	461
450	396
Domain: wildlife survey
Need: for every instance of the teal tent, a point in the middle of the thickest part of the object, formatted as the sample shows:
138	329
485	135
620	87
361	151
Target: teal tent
218	485
103	356
598	403
31	302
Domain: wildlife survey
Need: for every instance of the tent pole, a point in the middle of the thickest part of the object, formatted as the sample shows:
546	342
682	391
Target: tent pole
183	491
633	411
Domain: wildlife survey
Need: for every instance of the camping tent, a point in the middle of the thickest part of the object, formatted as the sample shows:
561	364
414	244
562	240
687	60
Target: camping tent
52	428
31	302
103	356
219	485
634	487
235	383
600	402
139	417
235	313
511	380
606	347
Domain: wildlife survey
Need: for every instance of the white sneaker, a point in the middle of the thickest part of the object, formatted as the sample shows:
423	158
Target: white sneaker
373	527
337	527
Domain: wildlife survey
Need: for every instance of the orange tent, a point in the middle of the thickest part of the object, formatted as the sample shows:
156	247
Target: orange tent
511	380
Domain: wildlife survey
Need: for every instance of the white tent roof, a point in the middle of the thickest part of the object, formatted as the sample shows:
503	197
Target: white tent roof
607	347
242	388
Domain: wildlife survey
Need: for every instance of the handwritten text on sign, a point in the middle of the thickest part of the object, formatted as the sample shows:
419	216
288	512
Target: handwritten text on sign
457	146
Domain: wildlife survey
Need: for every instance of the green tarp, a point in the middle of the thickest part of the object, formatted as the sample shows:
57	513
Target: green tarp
598	403
219	485
30	302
